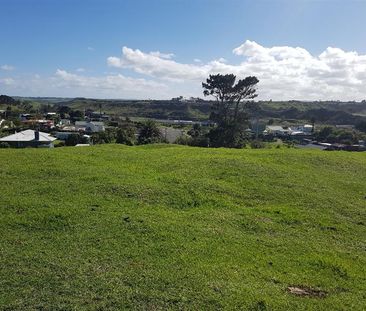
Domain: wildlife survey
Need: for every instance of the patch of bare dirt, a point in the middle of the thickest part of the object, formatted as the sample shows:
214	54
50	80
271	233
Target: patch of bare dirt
304	291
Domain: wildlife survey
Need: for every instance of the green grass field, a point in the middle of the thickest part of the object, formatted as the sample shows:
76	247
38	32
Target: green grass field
171	227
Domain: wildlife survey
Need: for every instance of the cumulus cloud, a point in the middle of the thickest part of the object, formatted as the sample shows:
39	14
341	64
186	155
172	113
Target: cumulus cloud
162	55
156	66
66	84
119	81
7	81
284	72
115	85
7	67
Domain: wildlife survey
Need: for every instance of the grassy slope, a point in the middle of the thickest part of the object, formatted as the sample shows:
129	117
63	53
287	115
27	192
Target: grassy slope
161	227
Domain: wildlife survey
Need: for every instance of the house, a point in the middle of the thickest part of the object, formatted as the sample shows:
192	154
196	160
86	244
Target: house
277	130
90	126
42	123
298	131
306	128
29	138
64	122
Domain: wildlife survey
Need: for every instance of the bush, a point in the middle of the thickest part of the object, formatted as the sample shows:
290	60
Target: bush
106	137
184	140
228	136
126	136
150	134
257	144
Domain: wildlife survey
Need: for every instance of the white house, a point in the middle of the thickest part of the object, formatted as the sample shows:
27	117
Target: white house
277	130
29	138
299	130
306	128
90	126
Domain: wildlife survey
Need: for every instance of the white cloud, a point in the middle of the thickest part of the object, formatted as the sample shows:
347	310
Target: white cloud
162	55
116	85
66	84
7	67
155	66
90	48
7	81
284	72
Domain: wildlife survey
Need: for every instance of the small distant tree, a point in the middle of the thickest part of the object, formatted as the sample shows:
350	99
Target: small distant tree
229	110
361	126
76	115
195	131
150	134
312	121
257	144
126	135
72	140
106	137
323	134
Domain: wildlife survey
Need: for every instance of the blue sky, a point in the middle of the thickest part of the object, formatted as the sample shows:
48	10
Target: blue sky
70	47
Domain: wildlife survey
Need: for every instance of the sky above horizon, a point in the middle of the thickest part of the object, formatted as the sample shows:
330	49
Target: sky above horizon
140	49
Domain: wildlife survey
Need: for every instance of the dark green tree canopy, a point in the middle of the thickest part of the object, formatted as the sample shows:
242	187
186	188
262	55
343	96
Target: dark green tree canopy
230	96
224	88
150	134
231	108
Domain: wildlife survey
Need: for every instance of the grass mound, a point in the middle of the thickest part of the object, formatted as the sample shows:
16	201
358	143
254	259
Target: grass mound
172	227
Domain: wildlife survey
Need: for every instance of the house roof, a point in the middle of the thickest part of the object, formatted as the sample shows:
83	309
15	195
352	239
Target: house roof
275	128
28	135
83	123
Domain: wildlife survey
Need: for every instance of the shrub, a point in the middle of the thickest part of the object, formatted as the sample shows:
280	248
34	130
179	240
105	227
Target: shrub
150	134
126	136
257	144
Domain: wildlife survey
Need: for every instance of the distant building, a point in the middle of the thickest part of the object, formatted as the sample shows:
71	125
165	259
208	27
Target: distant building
43	124
51	115
90	126
306	128
29	138
299	130
64	122
277	130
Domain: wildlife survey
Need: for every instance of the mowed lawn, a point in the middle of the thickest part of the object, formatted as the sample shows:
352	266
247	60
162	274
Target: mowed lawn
171	227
